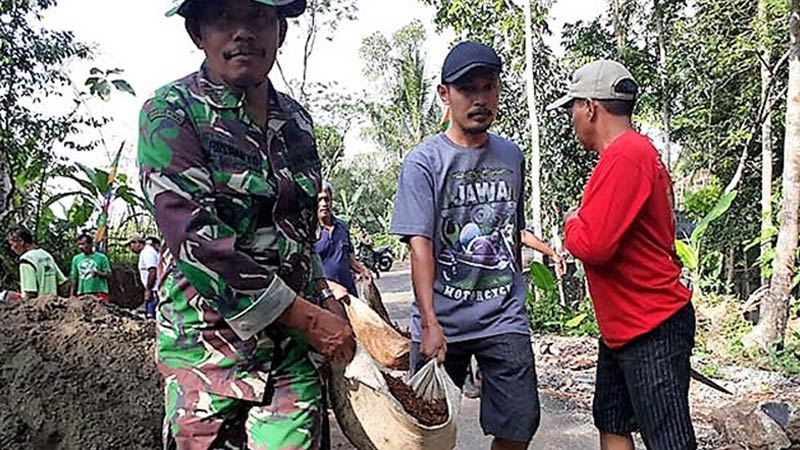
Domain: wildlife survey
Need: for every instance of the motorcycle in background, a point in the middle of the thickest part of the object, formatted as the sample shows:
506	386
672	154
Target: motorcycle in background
377	260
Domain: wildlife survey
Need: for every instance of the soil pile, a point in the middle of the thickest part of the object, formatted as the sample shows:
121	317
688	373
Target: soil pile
428	413
77	374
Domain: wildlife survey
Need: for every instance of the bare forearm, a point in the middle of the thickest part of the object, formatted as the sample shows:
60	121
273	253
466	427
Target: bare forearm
357	266
298	315
422	277
531	241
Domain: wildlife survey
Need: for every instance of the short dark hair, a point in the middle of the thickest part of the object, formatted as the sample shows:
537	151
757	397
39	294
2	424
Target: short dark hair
84	237
153	240
622	107
21	233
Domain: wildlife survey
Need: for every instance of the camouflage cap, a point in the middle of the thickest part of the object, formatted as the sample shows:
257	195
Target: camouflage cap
286	8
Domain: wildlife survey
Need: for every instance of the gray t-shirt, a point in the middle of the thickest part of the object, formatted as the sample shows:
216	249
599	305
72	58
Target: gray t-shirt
469	202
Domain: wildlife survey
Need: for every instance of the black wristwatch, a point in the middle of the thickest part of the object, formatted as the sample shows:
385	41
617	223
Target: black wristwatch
323	295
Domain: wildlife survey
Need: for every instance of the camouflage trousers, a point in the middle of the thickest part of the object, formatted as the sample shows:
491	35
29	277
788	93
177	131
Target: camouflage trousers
290	418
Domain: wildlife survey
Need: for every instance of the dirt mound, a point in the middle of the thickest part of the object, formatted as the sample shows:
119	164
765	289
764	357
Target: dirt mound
77	374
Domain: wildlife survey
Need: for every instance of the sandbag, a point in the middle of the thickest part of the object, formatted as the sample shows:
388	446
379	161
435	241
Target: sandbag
385	344
372	296
372	419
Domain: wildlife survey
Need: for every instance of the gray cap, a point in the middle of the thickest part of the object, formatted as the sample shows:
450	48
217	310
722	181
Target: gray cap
135	237
597	81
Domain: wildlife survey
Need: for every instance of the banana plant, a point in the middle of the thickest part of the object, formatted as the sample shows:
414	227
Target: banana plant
94	184
690	250
349	205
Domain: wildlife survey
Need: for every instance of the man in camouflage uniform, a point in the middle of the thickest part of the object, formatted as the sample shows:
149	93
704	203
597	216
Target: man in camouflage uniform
230	168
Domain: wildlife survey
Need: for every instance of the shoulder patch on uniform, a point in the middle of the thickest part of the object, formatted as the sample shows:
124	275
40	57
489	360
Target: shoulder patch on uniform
174	114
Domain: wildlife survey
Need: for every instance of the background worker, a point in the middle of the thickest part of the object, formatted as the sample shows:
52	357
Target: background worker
90	270
39	274
335	246
148	272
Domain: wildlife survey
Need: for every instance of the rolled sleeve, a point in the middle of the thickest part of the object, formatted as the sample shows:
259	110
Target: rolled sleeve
179	189
265	310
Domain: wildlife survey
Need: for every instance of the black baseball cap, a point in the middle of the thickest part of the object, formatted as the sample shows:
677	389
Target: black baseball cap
466	56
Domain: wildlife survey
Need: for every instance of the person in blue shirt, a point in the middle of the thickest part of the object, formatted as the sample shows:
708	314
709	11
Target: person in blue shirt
334	245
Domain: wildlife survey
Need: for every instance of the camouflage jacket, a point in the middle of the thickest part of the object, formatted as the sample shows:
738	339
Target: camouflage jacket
236	204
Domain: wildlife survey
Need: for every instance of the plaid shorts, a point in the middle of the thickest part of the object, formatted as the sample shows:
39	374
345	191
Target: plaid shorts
644	385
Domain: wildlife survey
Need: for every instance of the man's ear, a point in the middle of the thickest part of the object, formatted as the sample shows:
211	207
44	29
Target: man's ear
591	109
444	93
283	27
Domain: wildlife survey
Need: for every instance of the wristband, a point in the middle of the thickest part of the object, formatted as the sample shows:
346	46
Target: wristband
323	294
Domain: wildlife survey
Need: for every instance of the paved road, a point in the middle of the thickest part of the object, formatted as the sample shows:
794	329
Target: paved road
560	427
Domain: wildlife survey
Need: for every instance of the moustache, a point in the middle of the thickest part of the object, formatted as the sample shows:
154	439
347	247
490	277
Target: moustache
480	112
246	51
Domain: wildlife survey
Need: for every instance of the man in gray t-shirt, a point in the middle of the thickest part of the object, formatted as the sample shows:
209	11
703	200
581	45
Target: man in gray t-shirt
460	205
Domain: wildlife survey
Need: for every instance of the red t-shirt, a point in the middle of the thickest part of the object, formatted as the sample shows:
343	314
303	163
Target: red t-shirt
624	233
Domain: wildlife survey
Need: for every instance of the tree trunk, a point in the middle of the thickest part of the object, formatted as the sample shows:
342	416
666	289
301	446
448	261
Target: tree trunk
619	29
536	200
766	140
6	186
771	328
730	269
662	78
745	286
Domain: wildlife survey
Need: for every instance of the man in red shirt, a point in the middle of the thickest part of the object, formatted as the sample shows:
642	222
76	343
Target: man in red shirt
624	232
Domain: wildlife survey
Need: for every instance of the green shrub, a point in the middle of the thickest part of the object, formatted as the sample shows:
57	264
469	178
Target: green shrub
548	316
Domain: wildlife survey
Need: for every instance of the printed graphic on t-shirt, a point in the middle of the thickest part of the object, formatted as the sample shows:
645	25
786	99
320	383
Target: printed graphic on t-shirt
87	269
478	223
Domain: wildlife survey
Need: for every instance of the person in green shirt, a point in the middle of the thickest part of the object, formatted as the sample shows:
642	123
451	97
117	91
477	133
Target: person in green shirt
39	274
90	270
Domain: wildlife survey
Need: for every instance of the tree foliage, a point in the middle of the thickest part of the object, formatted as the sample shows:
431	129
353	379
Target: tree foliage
321	19
32	72
406	110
